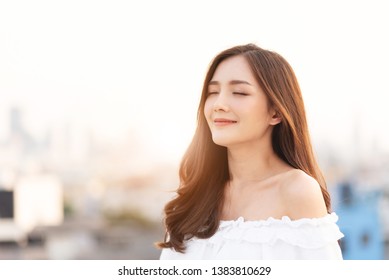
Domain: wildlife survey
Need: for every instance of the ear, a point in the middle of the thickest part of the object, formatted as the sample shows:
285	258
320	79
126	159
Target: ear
275	117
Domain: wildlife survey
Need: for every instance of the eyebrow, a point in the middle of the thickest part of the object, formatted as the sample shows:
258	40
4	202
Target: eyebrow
232	82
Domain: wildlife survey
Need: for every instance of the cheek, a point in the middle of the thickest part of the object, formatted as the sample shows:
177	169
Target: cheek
208	109
255	115
261	120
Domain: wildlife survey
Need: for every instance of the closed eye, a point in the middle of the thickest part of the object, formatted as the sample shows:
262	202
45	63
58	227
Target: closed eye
212	92
240	93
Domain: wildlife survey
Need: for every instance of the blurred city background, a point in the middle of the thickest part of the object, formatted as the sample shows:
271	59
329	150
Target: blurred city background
98	103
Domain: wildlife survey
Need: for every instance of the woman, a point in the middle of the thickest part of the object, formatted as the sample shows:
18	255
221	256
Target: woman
250	187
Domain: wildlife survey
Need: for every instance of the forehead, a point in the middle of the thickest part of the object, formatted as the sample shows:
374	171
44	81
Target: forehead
234	68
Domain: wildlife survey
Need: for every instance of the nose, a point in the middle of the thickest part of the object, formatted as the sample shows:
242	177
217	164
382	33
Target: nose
221	103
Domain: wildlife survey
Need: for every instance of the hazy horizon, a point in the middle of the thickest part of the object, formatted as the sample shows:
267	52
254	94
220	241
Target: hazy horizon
120	69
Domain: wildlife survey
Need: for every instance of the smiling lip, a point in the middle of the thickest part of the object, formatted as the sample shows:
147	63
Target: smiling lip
223	122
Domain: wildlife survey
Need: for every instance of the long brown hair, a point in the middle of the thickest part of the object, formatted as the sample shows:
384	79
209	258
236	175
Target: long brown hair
196	209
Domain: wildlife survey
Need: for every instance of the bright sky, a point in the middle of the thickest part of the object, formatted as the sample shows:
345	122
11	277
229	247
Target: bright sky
120	66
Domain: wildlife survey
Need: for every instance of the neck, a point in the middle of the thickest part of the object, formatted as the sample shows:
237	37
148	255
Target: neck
252	163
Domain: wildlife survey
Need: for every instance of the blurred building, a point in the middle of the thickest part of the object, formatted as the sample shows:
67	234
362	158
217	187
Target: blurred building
361	223
34	201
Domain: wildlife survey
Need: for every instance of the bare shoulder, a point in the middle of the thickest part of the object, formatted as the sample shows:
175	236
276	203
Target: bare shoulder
302	196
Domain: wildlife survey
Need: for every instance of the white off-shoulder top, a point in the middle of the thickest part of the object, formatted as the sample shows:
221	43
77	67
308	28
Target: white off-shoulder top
271	239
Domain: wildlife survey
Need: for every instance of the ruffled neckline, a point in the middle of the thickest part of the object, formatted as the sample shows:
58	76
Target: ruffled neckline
284	220
304	232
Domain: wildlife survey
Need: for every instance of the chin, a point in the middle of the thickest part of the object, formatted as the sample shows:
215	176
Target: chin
223	141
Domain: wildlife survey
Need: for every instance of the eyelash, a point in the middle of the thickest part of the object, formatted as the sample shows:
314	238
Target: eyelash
240	93
237	93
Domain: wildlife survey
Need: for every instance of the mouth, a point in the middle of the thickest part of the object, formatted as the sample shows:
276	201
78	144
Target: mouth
223	122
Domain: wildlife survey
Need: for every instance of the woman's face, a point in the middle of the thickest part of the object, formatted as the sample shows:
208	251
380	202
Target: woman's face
236	108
